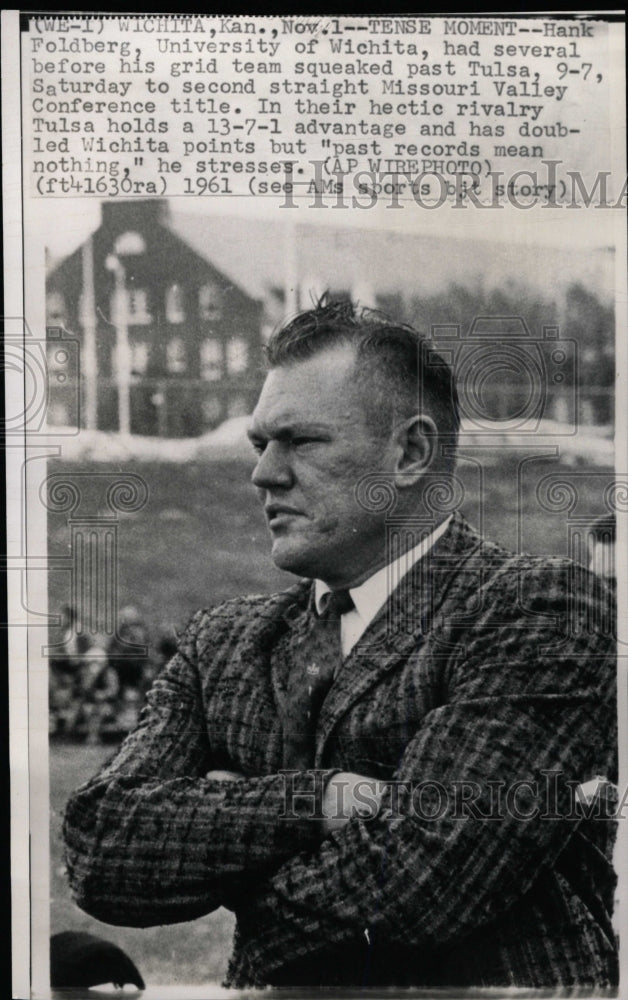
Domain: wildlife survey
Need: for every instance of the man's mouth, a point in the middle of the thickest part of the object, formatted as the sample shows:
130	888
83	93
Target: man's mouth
276	512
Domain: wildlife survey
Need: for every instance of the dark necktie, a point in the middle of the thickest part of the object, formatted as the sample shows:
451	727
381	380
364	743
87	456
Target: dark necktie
314	662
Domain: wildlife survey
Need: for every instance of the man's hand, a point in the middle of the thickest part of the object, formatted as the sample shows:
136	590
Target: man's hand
348	794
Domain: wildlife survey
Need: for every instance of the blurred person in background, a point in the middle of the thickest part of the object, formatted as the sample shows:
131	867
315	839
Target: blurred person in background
129	665
99	693
65	661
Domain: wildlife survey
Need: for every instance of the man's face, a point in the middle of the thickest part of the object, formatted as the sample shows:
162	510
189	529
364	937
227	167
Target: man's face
314	441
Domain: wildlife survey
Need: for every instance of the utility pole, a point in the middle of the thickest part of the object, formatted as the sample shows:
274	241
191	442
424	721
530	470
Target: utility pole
123	355
88	322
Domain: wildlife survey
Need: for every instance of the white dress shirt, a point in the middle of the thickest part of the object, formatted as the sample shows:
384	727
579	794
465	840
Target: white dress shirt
371	595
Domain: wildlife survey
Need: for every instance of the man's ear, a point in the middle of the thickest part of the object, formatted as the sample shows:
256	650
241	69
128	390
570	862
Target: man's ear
417	442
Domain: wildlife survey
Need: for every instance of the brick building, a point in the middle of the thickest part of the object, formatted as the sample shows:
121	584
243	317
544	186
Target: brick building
191	348
199	294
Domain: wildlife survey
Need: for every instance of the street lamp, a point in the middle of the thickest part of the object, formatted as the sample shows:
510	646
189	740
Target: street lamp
127	245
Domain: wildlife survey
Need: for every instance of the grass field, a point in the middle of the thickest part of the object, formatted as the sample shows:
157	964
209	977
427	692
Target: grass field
201	539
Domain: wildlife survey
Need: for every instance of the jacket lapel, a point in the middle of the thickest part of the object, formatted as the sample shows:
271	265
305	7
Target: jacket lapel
283	615
400	626
287	623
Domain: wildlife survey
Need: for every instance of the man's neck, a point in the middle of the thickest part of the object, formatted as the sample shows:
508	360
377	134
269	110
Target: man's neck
414	536
412	545
371	594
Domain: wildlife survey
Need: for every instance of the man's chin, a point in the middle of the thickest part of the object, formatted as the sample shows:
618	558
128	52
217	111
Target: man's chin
291	558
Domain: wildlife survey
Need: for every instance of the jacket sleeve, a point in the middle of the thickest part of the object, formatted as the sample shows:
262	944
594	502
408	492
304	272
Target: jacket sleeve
150	839
484	798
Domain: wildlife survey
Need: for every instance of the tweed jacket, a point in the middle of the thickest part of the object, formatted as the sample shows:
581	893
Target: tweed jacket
484	692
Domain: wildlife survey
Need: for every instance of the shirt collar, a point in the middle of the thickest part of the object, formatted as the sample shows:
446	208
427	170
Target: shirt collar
371	595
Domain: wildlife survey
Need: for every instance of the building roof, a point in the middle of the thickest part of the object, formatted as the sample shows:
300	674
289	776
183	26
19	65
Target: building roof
260	254
254	252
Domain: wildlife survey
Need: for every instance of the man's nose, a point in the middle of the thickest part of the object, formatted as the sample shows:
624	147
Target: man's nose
273	468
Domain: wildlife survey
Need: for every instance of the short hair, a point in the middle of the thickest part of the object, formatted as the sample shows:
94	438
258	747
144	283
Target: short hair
404	372
603	529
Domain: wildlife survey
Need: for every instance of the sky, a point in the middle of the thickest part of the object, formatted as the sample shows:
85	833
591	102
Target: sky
63	223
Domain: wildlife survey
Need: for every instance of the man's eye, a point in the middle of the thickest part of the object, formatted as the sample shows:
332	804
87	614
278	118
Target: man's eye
258	446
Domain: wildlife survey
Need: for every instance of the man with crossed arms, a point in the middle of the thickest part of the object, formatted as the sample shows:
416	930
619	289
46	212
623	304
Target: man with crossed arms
468	695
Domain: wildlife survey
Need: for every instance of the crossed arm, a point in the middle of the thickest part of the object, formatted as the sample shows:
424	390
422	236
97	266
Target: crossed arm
159	836
344	795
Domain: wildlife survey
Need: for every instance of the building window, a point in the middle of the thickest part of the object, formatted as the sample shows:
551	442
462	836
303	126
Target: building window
237	355
175	355
211	359
212	410
237	407
129	244
56	309
175	310
139	357
58	414
137	305
209	301
116	369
